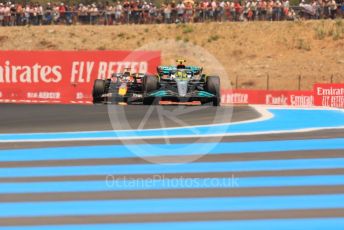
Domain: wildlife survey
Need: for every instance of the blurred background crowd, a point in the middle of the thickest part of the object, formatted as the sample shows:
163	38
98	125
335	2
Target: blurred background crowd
144	12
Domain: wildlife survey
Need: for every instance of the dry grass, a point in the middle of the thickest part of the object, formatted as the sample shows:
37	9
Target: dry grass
251	51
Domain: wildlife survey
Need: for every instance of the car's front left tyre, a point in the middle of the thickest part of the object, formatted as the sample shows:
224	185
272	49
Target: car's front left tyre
150	84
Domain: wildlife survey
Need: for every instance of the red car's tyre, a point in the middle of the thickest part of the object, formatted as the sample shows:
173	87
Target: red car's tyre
98	90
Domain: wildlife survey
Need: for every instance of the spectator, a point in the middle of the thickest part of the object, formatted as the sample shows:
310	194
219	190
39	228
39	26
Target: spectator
237	8
188	11
278	10
108	14
7	14
68	15
135	13
333	8
26	19
93	11
12	15
269	10
2	14
126	11
145	12
153	13
180	11
56	14
167	13
247	11
227	11
262	9
173	11
316	6
285	8
19	14
62	13
327	8
232	10
212	10
39	14
221	11
254	7
201	8
48	14
83	14
118	12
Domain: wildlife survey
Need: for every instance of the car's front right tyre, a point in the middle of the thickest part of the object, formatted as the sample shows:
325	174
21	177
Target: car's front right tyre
213	86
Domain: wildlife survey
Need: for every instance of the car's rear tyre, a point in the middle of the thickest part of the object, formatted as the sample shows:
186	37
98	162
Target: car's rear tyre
98	91
213	86
150	83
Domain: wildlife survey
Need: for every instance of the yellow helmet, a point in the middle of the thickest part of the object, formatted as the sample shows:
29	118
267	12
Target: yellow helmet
180	61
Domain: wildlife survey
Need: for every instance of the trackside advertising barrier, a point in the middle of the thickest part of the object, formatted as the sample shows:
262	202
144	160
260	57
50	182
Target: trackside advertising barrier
330	95
268	97
64	76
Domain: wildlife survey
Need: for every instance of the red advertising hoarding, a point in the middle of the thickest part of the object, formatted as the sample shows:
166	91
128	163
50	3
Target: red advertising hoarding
268	97
329	95
64	76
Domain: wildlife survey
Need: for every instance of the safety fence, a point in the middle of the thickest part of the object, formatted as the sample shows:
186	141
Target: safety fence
271	81
93	16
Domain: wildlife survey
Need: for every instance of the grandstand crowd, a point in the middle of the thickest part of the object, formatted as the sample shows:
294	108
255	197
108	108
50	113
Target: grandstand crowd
141	11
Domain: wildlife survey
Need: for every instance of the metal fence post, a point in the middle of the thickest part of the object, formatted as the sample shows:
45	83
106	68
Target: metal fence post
299	87
267	81
236	82
331	78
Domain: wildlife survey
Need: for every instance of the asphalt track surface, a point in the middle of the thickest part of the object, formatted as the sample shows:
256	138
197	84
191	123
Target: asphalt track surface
238	188
62	118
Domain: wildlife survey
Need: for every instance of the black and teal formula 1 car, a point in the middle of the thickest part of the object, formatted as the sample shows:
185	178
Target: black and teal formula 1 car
181	84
